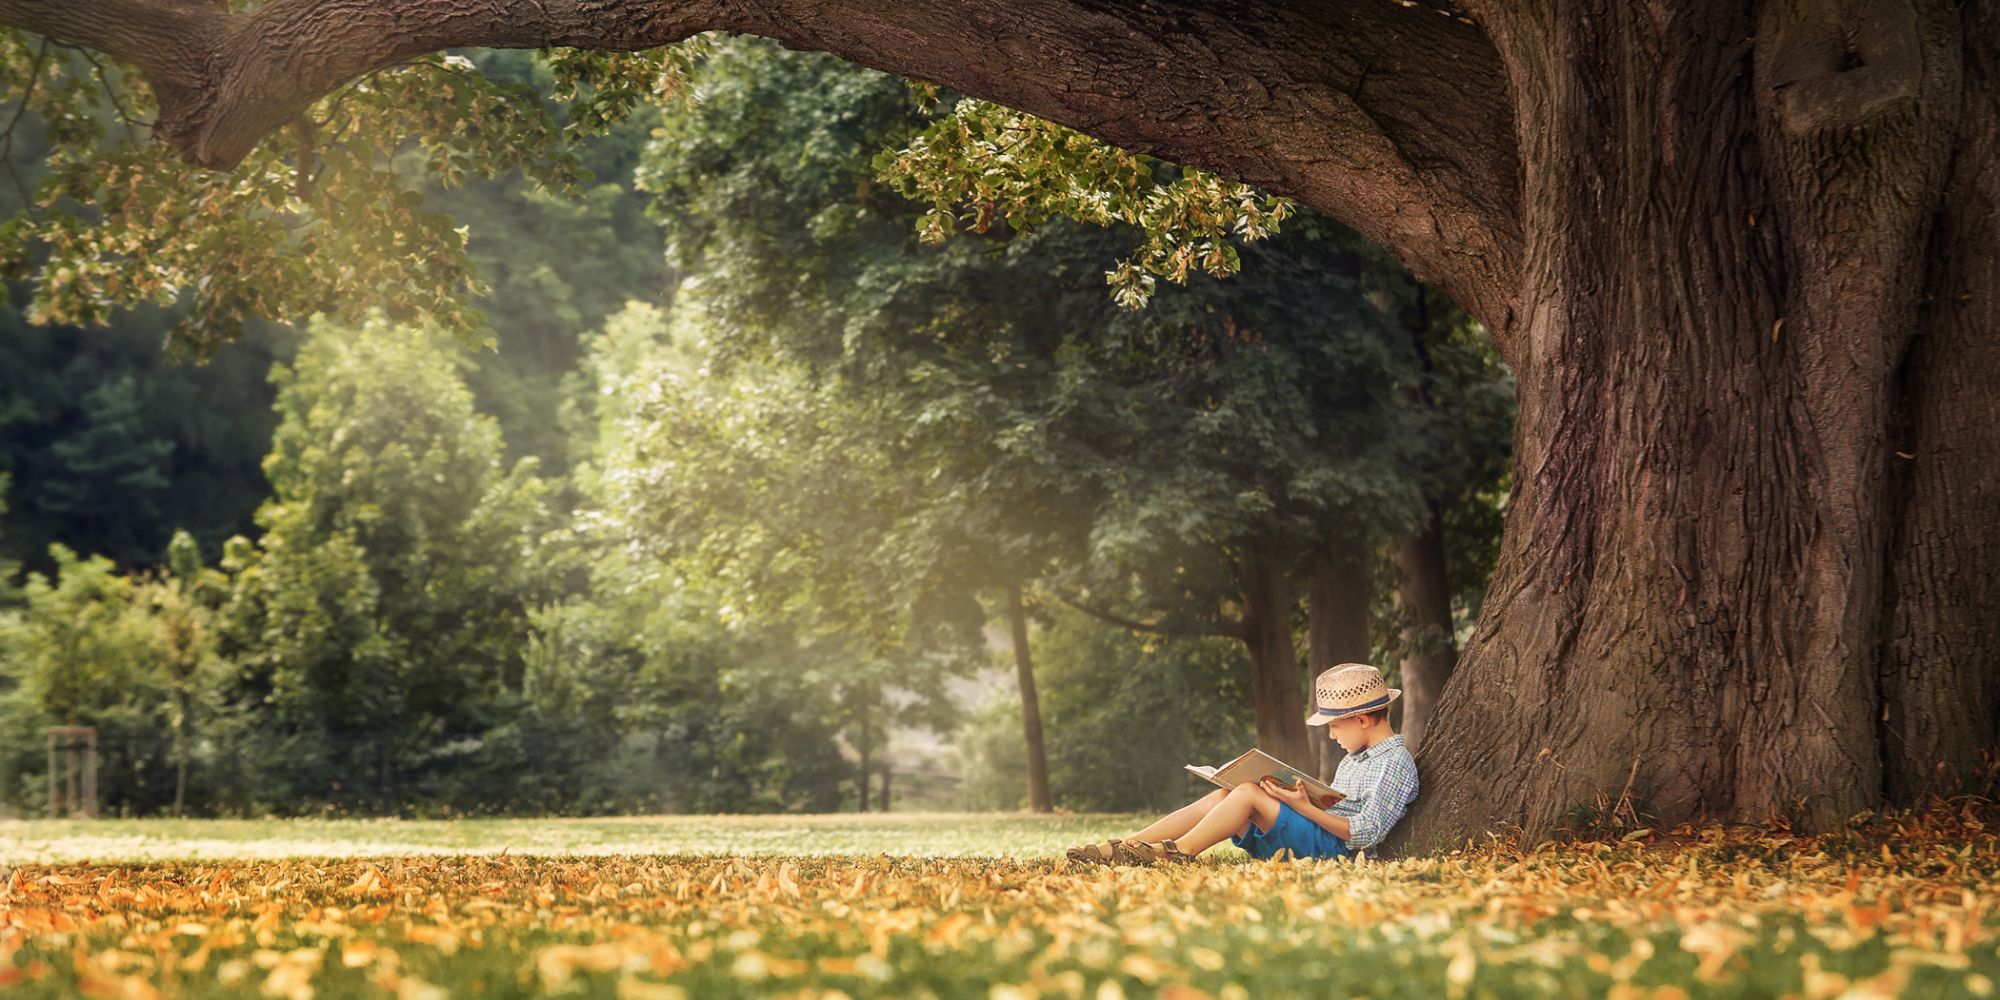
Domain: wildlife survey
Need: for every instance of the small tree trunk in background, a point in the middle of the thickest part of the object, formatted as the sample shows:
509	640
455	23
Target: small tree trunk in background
1424	602
180	749
1274	662
1336	633
887	770
866	745
1031	707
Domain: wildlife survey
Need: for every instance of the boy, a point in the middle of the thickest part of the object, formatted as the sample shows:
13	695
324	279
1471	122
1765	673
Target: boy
1378	777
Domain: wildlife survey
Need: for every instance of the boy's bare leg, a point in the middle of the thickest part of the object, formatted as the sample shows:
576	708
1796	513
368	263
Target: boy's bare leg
1180	821
1246	803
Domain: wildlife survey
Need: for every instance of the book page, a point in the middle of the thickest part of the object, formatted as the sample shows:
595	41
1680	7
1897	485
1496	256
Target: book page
1256	764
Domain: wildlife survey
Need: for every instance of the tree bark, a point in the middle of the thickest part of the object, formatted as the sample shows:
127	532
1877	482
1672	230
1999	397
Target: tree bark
1274	663
1725	247
1423	601
1336	633
1940	664
1031	706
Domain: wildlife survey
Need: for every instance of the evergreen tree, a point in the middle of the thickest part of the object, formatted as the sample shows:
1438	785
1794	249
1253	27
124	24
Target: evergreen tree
109	474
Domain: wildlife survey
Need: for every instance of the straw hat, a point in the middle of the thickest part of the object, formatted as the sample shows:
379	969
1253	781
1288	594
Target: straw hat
1349	689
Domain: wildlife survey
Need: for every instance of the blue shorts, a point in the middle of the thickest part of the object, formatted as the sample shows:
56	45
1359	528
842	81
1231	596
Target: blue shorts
1293	832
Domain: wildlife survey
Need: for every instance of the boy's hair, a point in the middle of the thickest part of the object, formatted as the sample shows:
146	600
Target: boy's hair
1378	715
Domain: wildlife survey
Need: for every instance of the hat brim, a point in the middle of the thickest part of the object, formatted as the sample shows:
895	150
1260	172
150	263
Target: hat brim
1321	717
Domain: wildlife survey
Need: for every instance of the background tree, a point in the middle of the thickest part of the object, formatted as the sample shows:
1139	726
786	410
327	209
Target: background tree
183	602
554	266
748	487
395	544
81	652
1044	424
1464	399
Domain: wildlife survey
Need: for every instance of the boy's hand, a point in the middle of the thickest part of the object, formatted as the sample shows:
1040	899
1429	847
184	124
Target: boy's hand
1292	795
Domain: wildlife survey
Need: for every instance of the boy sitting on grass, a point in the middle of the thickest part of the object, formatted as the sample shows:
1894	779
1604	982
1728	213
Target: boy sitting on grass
1378	777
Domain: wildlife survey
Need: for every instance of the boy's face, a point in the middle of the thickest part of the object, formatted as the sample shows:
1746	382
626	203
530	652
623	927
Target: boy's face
1351	733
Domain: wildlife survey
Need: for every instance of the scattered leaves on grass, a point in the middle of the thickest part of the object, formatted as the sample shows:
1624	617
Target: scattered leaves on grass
1886	908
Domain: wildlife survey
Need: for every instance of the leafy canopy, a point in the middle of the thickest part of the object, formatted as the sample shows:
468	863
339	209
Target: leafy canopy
323	218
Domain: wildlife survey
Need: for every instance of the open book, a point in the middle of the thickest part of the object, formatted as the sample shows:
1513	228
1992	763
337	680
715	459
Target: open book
1256	765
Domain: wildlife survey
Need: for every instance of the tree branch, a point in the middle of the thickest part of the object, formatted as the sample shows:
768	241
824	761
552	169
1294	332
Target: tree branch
7	137
1226	630
1388	117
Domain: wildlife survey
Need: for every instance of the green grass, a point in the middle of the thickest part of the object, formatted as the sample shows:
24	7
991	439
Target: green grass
826	907
946	835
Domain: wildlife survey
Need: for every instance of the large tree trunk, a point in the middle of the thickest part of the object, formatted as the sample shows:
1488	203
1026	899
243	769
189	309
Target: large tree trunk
1274	663
1940	661
1725	264
1423	601
1031	707
1336	632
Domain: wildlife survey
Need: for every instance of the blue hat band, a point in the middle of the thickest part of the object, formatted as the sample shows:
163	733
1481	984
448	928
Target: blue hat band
1377	703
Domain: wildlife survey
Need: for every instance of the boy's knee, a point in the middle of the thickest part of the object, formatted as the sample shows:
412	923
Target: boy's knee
1248	791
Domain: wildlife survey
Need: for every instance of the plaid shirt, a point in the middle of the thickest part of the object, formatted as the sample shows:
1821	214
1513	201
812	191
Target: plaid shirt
1380	782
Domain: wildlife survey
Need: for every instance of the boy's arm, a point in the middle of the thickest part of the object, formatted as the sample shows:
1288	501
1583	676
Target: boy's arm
1301	802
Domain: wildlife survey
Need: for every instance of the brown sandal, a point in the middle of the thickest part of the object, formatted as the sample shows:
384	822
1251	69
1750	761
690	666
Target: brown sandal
1138	852
1108	853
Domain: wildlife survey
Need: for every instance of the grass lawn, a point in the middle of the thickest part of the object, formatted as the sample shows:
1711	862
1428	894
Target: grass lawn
853	834
978	906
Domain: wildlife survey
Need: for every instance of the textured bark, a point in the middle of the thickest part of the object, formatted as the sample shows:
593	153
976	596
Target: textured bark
1336	633
1397	116
1268	602
1031	707
1724	259
1941	645
1423	601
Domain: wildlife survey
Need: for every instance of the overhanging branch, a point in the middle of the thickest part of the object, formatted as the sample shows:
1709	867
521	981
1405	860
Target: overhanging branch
1389	117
